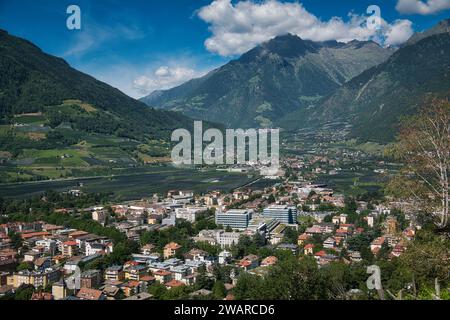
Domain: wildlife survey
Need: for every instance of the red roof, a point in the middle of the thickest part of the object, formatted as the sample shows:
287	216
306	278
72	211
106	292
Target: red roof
309	246
174	283
320	253
70	243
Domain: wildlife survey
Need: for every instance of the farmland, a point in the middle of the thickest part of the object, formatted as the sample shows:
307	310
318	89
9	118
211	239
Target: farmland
134	184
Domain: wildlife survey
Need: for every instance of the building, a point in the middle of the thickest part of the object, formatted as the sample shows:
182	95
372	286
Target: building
90	279
90	294
236	219
34	278
189	214
269	261
249	262
377	244
48	245
162	276
7	257
69	248
135	272
59	290
391	225
114	273
225	257
283	214
227	239
171	249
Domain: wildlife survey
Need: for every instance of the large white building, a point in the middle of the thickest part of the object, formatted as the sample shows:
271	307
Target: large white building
236	219
227	239
283	214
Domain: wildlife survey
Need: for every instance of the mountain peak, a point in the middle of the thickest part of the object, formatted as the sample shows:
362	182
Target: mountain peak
442	27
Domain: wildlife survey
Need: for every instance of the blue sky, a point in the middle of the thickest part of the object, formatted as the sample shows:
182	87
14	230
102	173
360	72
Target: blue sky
143	45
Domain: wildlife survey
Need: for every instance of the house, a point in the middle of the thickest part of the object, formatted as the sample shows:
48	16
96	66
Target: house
115	273
42	296
326	227
289	247
314	230
90	294
179	272
59	290
355	256
96	247
31	256
8	256
162	276
174	283
376	244
196	255
135	272
90	279
329	243
308	249
141	297
147	249
69	248
302	238
42	263
249	262
269	261
225	257
171	249
133	287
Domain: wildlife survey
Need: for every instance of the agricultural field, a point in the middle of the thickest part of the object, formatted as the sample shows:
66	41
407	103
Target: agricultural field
134	183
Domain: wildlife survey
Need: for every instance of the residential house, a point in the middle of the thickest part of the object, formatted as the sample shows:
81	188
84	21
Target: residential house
171	249
90	294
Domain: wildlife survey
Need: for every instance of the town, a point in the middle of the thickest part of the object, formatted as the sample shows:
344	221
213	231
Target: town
184	244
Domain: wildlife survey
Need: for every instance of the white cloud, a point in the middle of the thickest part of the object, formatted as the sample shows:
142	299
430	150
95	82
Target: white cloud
164	77
422	7
399	32
237	28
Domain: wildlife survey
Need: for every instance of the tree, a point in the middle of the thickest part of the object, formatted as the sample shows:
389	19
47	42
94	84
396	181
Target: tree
158	290
219	290
424	148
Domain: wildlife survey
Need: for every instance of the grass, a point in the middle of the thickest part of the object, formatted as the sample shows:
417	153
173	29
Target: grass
85	106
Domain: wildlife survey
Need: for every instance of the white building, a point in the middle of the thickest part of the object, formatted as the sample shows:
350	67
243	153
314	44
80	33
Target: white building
189	213
227	239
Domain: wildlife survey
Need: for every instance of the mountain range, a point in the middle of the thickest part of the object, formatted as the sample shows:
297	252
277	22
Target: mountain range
270	81
294	83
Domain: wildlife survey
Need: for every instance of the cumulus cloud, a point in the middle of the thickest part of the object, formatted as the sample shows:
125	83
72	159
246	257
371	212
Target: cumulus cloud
236	28
165	78
422	7
398	33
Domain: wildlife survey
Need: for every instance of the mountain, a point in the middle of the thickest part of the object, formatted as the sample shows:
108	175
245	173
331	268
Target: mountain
442	27
32	81
56	122
282	75
374	102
